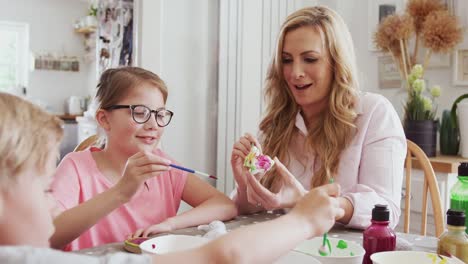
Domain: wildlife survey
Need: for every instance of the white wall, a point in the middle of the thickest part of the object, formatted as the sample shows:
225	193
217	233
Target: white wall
179	42
248	33
51	30
355	14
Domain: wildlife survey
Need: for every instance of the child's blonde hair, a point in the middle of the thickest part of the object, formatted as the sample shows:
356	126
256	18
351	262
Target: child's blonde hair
27	136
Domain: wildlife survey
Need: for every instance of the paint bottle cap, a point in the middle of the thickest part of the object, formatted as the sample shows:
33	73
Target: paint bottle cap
463	169
455	217
380	213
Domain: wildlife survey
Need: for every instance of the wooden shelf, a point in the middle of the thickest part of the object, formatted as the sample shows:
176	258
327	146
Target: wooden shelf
86	30
443	163
67	117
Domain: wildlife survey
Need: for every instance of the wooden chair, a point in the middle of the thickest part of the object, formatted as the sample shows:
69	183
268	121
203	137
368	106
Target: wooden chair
86	143
430	184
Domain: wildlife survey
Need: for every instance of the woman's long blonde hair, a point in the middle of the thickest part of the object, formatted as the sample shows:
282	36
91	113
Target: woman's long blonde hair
335	128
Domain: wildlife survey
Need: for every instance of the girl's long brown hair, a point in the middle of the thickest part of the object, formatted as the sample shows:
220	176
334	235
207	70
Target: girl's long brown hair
116	83
335	128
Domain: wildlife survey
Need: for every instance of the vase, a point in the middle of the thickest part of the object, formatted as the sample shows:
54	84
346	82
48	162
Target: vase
423	133
449	135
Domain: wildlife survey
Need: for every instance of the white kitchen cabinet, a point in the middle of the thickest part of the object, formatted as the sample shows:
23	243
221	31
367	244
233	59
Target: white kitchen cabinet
69	140
86	128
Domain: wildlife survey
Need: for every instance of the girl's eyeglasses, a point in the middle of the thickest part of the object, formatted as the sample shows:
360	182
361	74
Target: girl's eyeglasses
141	114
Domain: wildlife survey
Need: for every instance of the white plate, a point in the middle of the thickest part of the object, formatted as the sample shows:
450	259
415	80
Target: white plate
171	243
410	257
342	256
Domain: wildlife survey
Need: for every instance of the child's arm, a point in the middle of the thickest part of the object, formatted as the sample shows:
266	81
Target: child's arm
265	242
209	204
71	223
261	243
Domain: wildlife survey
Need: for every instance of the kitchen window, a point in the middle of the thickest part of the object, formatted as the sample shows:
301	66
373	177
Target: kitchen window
14	56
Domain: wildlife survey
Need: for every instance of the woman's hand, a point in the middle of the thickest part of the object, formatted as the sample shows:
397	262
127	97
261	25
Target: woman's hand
153	230
290	191
139	168
239	151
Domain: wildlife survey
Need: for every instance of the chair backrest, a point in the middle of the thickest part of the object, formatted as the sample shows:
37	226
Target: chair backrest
89	141
430	184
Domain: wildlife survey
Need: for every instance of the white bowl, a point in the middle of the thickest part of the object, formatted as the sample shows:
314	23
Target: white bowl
171	243
402	257
337	255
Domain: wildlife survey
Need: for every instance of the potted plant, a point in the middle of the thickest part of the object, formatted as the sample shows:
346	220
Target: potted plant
91	18
420	112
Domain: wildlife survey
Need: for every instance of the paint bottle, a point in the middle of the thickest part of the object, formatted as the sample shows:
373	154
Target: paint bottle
459	191
454	241
378	236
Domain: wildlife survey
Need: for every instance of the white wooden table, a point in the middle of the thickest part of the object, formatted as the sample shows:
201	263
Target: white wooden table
417	242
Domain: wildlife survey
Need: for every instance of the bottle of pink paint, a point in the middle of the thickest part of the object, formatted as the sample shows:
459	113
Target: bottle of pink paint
378	236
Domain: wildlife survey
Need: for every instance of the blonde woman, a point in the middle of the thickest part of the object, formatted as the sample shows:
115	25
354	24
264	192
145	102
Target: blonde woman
322	127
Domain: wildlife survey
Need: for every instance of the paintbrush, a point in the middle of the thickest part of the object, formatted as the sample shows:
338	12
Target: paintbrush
193	171
325	248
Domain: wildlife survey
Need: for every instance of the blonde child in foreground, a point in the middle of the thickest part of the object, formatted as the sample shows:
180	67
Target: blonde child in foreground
127	186
29	142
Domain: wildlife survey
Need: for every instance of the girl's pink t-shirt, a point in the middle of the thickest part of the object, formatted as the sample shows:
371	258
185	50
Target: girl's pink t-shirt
78	179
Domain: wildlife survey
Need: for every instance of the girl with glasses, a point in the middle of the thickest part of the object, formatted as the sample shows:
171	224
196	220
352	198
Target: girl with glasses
127	186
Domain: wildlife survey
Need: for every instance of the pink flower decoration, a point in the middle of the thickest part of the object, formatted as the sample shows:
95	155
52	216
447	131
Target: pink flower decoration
264	162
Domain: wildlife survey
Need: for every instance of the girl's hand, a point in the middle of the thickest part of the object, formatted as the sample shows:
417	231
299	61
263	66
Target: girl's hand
290	192
239	151
139	168
153	230
319	209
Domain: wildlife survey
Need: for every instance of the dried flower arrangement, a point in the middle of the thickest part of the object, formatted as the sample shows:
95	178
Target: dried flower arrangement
430	24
